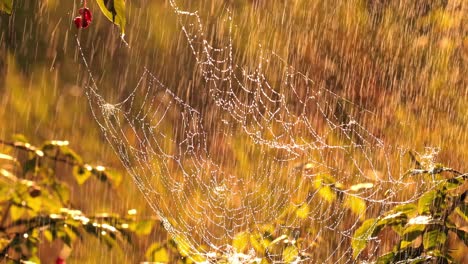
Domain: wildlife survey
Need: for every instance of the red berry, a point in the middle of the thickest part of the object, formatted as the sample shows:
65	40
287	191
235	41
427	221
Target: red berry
77	21
85	18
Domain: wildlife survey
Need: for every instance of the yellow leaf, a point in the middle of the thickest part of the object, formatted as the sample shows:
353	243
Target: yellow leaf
356	205
114	10
240	241
290	254
303	211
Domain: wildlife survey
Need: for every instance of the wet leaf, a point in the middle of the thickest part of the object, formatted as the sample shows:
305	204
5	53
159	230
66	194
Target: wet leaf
362	235
433	239
408	209
392	219
114	10
426	201
412	232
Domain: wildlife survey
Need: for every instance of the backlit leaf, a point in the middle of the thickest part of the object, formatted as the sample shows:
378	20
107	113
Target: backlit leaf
114	10
303	211
356	205
16	212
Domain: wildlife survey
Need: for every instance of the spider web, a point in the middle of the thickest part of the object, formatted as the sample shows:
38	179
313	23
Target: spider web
288	136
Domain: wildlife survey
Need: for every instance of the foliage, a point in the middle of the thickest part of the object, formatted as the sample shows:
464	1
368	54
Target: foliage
36	202
420	64
114	10
277	241
423	227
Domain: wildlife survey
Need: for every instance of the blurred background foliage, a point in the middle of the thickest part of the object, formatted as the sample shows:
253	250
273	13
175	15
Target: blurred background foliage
403	61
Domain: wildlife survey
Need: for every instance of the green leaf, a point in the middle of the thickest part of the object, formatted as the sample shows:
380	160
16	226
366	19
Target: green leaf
6	6
290	254
241	241
81	174
393	219
386	259
411	233
362	235
426	201
453	183
408	209
433	239
114	10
